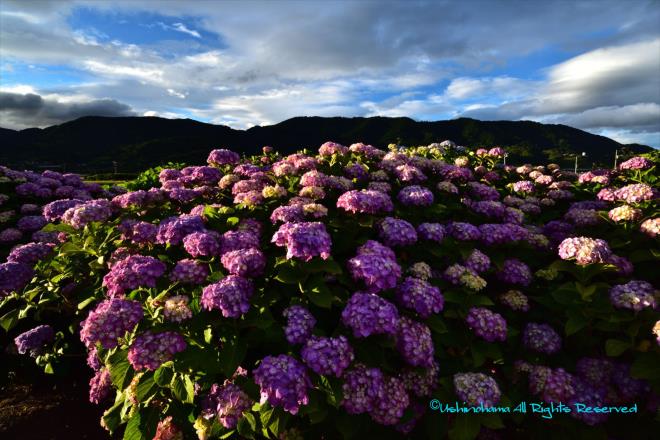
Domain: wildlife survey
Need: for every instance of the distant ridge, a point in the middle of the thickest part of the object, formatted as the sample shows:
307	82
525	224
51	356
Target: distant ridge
92	143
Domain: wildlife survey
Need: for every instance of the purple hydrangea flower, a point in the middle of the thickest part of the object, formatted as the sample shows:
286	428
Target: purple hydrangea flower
100	386
151	350
109	321
590	395
227	402
476	389
34	340
634	295
421	383
636	163
245	263
486	324
300	323
189	271
477	261
362	389
515	271
80	215
55	210
29	253
14	277
396	232
284	382
376	265
327	356
176	308
523	186
464	231
172	230
133	272
628	387
431	231
390	407
415	343
541	338
304	240
231	295
365	201
415	196
558	386
31	223
368	314
418	295
596	371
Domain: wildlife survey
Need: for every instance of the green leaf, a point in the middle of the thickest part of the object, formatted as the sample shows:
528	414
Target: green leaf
183	388
436	324
111	418
318	292
464	428
121	372
163	376
142	426
321	265
86	302
646	366
574	324
245	424
146	387
9	319
232	354
614	347
288	274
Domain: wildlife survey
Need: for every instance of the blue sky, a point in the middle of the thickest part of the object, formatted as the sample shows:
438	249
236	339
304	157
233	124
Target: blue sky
593	65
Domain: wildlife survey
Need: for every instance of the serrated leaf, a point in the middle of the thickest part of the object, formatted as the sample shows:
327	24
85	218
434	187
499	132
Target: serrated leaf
9	319
163	376
120	370
574	324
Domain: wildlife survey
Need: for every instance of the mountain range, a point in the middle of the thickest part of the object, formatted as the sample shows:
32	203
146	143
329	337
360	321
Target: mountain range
96	144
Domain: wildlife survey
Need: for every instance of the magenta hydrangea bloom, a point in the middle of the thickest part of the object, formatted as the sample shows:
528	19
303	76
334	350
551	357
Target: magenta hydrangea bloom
109	321
368	314
541	338
245	263
284	382
138	231
414	342
304	240
636	163
330	148
486	324
100	386
365	201
420	296
238	240
151	350
34	341
327	356
635	193
231	295
389	409
635	295
132	272
225	402
476	389
202	244
299	325
189	271
223	157
396	232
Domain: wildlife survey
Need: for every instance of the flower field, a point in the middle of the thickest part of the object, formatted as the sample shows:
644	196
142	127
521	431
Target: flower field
333	295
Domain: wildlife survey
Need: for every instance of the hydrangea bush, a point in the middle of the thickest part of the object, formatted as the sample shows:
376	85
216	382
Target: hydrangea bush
333	295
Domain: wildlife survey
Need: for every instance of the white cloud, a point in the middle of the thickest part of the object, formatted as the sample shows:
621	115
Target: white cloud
180	27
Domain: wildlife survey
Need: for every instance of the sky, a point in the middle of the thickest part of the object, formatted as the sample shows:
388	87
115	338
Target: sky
592	65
